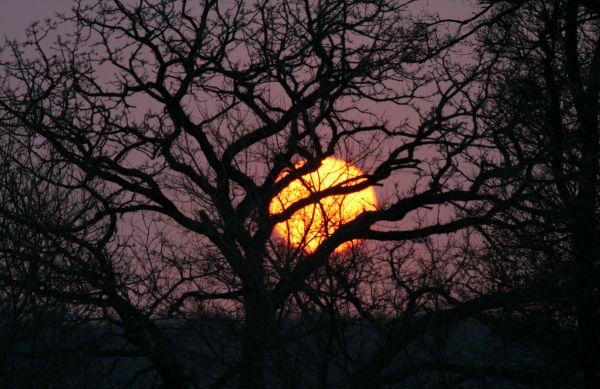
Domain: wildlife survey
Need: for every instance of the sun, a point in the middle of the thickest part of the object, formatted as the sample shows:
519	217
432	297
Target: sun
308	227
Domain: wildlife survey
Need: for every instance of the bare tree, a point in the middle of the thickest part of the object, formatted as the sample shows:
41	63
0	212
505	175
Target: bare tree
171	127
544	106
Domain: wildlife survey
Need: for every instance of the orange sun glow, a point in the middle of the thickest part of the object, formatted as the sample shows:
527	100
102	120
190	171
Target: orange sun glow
311	225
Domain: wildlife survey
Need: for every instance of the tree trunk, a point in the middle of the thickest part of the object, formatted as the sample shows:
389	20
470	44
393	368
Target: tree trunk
162	357
170	371
158	348
586	296
255	337
586	252
584	223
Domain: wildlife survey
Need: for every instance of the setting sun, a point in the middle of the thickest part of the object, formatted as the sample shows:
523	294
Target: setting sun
310	226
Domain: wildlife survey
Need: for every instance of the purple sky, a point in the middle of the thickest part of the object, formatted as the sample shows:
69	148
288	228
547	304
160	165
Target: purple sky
16	15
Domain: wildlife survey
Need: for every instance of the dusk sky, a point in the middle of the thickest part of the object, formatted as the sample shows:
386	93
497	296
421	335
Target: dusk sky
16	15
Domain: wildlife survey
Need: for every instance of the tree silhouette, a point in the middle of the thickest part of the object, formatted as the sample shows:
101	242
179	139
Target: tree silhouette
545	109
154	135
